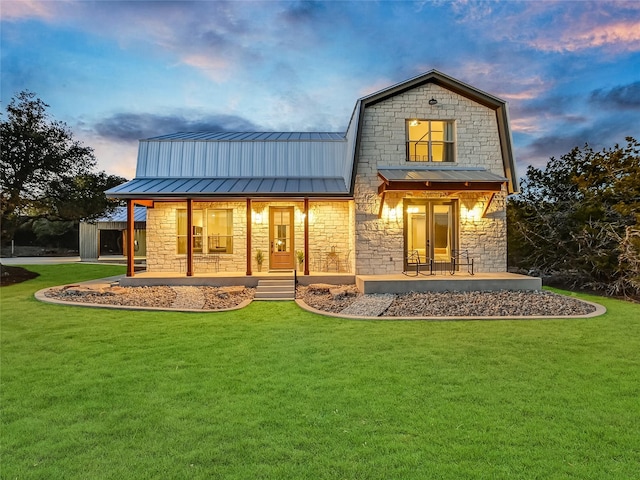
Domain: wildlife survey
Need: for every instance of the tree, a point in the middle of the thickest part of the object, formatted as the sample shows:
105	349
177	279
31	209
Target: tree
44	172
580	216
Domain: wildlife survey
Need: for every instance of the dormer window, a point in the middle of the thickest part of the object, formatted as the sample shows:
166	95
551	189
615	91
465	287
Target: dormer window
430	140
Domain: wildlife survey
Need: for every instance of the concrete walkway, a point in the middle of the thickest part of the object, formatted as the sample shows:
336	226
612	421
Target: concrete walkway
37	260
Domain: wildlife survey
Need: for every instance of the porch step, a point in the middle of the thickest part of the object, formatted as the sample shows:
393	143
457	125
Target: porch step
275	290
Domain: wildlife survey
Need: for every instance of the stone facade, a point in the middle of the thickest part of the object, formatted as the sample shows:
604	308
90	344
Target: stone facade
330	230
380	241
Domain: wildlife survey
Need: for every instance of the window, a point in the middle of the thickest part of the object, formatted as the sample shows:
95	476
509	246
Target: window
220	231
430	141
212	231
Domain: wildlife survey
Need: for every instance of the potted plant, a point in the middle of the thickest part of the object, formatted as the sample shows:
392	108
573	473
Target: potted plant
259	259
300	255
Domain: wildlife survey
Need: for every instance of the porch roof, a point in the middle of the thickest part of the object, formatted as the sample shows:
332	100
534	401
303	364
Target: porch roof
182	188
443	178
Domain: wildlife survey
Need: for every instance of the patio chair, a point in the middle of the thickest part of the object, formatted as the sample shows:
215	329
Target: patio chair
414	261
460	258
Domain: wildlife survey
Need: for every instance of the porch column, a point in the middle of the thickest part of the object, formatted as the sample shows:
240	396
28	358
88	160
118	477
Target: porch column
129	240
189	237
249	237
306	236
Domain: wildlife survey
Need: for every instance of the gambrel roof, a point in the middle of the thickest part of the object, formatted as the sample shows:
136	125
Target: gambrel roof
267	164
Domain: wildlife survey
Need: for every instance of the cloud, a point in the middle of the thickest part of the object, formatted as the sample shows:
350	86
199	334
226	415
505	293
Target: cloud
134	126
302	12
620	36
624	97
27	9
605	131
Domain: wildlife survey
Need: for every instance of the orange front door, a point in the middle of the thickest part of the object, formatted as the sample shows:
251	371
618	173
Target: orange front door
281	238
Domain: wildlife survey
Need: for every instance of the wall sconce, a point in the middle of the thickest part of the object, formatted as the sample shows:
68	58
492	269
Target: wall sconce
473	214
257	217
433	101
392	214
300	215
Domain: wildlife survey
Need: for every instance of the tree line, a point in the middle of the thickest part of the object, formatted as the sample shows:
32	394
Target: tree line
578	218
47	178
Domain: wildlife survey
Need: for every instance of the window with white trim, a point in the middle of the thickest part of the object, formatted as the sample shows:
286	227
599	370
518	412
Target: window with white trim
430	140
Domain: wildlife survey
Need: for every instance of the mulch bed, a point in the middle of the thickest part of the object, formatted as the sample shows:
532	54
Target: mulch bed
11	275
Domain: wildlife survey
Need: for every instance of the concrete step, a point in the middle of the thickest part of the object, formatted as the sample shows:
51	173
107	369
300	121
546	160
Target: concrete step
275	290
278	283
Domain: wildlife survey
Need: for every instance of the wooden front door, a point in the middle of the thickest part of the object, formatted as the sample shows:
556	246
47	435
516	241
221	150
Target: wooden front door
281	238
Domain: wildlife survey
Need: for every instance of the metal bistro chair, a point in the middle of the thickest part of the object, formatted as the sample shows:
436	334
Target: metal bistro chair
413	261
460	258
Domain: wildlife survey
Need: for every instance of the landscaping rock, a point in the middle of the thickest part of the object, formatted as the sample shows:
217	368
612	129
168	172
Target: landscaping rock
320	287
233	290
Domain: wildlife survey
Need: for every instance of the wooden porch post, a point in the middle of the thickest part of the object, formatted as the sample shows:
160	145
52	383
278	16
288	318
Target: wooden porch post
306	236
249	272
189	237
129	239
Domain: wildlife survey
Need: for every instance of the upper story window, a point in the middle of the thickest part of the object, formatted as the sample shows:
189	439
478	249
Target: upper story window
212	231
430	140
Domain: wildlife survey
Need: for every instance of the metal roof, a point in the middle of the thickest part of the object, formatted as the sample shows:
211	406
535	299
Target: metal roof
247	155
120	215
439	175
251	136
229	186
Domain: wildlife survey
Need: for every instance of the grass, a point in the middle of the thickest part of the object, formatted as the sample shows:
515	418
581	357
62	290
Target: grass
273	392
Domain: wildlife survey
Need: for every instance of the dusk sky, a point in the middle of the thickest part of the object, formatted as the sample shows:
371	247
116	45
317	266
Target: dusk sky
120	71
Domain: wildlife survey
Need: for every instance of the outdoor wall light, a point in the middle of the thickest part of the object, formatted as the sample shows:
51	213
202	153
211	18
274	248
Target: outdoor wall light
257	218
433	101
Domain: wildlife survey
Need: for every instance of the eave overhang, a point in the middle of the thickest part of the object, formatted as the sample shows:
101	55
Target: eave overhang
447	180
176	188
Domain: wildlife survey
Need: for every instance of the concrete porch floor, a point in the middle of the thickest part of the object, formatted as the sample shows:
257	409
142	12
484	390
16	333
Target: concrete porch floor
460	282
231	279
398	283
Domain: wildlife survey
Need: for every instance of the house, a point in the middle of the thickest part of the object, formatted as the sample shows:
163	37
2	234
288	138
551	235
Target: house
425	166
107	236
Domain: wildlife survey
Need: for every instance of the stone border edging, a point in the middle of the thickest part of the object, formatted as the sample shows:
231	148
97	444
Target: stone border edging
40	295
599	310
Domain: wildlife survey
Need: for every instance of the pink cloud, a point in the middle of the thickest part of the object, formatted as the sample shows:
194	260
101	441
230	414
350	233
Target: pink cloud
18	10
619	36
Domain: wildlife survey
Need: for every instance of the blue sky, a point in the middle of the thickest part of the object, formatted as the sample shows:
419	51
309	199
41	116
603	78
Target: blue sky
119	71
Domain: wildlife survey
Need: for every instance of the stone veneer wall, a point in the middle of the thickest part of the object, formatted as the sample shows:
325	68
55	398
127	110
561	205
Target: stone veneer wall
329	225
162	250
380	241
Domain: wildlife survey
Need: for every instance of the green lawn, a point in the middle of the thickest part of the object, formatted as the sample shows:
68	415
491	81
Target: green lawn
273	392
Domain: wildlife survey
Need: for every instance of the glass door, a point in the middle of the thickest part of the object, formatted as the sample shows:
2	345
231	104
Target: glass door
281	238
430	229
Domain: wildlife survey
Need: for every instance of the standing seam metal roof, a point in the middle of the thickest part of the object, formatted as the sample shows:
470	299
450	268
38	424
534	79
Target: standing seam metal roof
251	136
235	186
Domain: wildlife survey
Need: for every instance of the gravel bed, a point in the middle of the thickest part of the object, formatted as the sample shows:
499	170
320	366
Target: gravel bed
327	302
122	296
206	298
216	298
455	304
489	304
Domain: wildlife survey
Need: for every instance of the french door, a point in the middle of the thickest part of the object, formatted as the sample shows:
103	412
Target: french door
281	238
430	228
